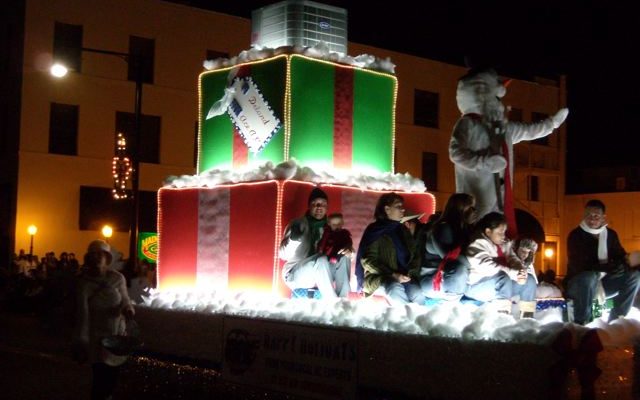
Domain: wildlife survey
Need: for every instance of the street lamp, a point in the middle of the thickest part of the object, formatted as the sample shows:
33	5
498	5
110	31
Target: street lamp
60	70
107	232
32	230
548	255
548	252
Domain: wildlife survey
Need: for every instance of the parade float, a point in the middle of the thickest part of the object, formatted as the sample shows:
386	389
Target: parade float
273	124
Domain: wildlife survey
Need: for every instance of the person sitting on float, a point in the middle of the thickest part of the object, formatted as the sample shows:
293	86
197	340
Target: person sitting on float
305	267
387	254
495	269
526	248
445	269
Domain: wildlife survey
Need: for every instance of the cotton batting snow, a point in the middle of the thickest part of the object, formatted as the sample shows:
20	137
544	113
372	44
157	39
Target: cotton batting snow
464	321
320	51
291	170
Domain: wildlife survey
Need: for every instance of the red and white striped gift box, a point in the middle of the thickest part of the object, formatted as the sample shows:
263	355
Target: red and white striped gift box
227	237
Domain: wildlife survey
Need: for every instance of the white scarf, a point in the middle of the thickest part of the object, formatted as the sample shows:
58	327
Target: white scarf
603	255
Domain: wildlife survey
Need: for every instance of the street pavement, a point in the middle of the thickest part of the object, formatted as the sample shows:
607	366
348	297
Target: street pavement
36	362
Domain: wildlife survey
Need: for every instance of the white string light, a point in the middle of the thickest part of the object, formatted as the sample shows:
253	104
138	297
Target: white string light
121	169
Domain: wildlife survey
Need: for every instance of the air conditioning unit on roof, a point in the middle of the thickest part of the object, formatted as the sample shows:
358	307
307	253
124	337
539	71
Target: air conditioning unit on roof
300	22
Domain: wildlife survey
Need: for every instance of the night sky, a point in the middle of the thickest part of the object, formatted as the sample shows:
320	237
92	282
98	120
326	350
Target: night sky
592	44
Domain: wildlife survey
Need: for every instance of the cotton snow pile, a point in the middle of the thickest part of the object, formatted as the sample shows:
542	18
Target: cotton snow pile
464	321
291	170
320	51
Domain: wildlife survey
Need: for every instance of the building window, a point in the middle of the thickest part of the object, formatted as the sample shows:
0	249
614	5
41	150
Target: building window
426	106
67	45
534	193
214	54
430	170
142	51
515	115
150	127
99	208
537	117
63	129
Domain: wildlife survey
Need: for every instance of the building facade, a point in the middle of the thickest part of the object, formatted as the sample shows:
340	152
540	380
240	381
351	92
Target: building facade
59	134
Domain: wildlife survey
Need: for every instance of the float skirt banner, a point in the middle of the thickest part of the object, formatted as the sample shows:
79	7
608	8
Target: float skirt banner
228	237
312	362
332	115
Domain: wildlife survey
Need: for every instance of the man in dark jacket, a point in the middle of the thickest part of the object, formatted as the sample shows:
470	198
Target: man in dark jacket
596	256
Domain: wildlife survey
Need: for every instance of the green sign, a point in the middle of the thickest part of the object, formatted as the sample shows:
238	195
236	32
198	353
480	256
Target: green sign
148	246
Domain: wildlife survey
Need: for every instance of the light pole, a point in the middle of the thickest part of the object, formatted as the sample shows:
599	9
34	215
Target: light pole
32	230
59	70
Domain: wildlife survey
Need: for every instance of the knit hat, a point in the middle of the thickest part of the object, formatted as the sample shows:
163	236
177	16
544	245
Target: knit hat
317	193
98	246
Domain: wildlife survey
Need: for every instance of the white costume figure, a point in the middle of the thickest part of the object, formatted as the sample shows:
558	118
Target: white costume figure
481	146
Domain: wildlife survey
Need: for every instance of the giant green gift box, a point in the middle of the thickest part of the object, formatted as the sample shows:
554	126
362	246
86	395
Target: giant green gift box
332	115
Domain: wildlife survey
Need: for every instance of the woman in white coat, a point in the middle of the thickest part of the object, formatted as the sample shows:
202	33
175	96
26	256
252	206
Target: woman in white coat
102	306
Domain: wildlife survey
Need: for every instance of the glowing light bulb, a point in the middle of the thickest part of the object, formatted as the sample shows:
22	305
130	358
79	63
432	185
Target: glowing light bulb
107	231
548	252
58	70
32	230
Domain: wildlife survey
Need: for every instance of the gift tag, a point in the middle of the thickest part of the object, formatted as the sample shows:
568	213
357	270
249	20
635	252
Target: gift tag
252	115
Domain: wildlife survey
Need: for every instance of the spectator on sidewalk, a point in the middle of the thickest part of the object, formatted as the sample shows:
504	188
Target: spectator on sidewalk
102	305
140	285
